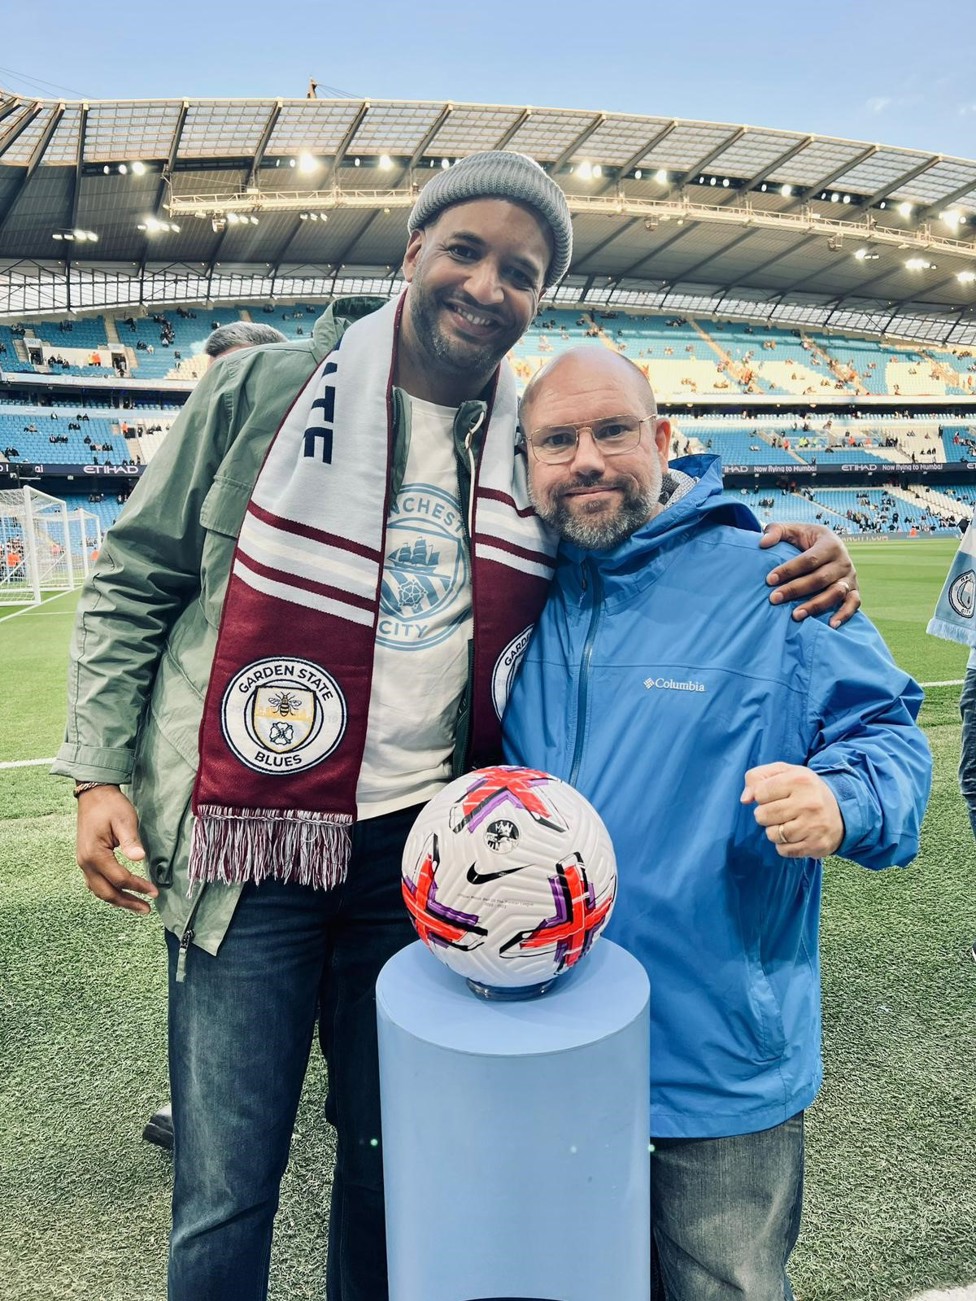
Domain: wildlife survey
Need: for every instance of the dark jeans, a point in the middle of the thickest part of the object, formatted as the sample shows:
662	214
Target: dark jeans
240	1030
725	1215
967	758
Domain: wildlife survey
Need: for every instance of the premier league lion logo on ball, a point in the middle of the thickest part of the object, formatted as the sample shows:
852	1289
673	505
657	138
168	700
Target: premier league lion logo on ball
509	877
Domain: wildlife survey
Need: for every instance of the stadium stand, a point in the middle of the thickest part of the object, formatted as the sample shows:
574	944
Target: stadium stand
726	363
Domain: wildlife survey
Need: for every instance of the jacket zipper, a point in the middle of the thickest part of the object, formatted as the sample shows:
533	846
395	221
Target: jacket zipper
186	939
583	688
468	440
464	742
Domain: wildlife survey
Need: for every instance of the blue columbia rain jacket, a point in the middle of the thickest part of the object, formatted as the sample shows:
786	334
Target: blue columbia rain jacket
657	676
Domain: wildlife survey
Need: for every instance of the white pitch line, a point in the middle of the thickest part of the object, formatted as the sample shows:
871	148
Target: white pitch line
26	763
956	1294
952	682
34	609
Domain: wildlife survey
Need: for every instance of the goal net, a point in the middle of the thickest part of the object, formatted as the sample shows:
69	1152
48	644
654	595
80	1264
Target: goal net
44	547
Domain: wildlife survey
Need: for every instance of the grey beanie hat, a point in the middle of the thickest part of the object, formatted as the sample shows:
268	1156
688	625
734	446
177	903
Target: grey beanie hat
497	174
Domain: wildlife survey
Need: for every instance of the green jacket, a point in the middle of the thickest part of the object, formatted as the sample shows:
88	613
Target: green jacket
147	621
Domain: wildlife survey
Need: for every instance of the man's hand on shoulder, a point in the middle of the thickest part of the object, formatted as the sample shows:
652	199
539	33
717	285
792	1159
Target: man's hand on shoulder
107	821
797	808
822	577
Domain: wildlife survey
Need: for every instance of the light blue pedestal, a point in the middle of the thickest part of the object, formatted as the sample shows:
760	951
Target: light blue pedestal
515	1135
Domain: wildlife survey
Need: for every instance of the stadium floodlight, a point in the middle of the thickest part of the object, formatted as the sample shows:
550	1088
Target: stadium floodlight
905	209
966	277
952	218
308	163
445	163
661	176
139	169
835	197
865	255
919	264
154	226
585	170
786	191
386	162
847	198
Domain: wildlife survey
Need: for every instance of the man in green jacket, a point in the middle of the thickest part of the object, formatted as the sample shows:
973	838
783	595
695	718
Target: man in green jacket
288	645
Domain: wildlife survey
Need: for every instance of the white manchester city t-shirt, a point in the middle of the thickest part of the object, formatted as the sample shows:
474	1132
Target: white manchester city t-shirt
420	664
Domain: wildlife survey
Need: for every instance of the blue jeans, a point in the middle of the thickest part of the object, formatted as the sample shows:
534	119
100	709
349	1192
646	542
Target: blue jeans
967	759
240	1032
725	1215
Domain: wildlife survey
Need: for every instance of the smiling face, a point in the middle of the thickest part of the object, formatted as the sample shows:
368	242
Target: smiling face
475	275
595	500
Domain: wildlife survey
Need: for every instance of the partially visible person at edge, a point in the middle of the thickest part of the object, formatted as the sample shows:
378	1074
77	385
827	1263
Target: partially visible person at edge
220	342
955	620
717	740
229	338
297	619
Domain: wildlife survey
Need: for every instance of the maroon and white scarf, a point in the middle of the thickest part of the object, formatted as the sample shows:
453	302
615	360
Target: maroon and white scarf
284	723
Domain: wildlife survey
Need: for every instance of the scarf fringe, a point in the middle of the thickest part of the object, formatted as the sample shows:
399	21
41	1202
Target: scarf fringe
962	633
232	845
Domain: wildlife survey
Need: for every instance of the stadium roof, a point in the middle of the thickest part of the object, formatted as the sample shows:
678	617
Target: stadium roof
221	199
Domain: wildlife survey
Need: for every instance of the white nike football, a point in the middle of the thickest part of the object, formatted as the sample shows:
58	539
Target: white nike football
509	877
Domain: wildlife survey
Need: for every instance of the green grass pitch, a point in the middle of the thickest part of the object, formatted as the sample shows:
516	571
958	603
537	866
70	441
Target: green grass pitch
890	1209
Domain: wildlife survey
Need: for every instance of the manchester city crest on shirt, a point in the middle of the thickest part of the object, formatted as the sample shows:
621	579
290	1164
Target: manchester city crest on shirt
425	570
281	716
962	594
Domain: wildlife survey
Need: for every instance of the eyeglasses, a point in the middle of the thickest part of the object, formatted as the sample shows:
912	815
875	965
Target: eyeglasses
556	444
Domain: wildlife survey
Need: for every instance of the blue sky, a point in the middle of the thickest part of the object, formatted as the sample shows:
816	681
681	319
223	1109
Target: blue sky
884	71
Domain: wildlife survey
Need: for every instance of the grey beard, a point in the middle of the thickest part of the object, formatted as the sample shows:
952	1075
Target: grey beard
601	533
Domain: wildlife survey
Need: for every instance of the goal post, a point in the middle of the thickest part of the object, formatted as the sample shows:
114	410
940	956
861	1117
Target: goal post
39	549
85	536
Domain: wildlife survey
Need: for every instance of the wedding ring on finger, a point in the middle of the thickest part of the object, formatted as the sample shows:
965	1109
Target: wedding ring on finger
844	585
783	839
